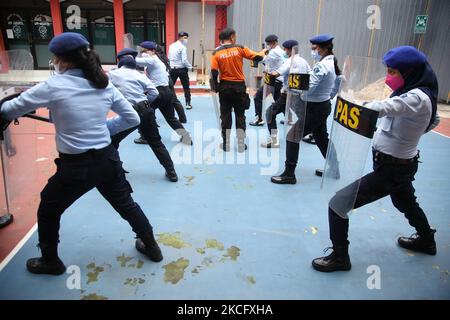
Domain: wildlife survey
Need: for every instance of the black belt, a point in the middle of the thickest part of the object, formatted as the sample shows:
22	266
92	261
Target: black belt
90	154
381	157
232	82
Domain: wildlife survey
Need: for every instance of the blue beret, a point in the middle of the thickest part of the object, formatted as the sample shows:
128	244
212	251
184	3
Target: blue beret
66	42
128	61
289	44
404	58
321	38
183	34
127	51
148	45
271	38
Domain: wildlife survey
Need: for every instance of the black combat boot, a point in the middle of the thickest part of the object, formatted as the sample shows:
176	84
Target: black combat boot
241	146
140	140
422	243
186	139
147	245
225	145
337	260
333	172
49	263
5	220
171	174
288	175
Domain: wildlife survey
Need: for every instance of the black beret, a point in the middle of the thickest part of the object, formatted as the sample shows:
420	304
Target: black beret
289	44
271	38
148	45
127	51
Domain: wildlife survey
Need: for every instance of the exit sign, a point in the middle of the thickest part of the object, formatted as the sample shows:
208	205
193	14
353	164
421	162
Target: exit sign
421	24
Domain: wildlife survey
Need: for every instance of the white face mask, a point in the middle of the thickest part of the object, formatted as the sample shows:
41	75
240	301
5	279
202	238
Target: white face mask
184	41
315	55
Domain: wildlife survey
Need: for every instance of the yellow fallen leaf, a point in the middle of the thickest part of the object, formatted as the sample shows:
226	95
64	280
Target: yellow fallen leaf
436	267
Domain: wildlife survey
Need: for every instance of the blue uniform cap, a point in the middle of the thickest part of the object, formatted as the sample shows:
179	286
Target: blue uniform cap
321	38
271	38
183	34
149	45
128	61
127	51
289	44
404	58
67	41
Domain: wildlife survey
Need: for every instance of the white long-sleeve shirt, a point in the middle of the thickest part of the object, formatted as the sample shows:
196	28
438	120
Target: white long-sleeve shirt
155	69
274	60
404	120
298	65
178	56
322	80
78	110
134	86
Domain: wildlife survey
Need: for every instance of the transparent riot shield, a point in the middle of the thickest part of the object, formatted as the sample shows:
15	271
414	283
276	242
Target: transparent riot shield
253	79
352	130
268	91
128	40
20	168
298	84
216	104
253	73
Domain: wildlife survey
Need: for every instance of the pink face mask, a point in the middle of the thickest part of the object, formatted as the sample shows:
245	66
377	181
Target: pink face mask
394	82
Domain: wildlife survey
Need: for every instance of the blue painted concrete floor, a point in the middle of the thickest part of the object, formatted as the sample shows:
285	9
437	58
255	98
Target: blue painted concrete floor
227	232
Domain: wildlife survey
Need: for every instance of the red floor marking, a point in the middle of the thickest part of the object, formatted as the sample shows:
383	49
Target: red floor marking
444	127
193	90
191	83
31	140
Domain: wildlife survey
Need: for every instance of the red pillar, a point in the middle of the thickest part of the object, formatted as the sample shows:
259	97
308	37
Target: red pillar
55	10
221	21
171	22
2	43
4	61
119	24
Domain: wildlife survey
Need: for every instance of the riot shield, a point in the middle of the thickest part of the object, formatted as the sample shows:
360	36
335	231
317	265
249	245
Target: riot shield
268	91
216	104
253	74
352	130
298	84
14	68
128	40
